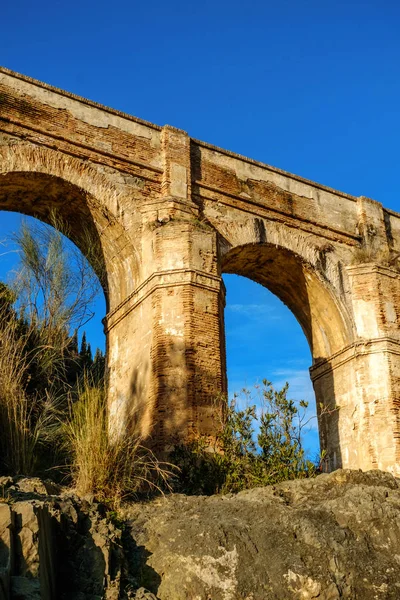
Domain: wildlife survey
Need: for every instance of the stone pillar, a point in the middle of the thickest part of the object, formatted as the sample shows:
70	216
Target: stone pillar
358	389
167	339
357	403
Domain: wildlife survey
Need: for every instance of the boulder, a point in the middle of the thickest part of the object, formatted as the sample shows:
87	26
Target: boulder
335	536
6	549
56	547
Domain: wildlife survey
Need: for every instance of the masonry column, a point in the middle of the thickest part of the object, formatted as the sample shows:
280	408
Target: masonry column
376	303
178	358
360	386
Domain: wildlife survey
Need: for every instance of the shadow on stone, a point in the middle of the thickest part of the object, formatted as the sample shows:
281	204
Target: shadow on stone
139	574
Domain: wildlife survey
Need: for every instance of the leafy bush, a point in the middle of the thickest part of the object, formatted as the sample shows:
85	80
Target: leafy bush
255	447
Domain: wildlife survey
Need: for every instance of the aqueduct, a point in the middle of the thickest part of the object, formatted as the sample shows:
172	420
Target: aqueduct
170	215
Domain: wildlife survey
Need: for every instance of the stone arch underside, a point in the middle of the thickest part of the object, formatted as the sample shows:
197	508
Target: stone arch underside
304	291
39	182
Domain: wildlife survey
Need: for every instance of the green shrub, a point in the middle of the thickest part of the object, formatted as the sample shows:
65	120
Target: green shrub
254	447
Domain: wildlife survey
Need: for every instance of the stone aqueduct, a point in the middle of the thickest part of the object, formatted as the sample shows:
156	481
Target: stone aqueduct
169	215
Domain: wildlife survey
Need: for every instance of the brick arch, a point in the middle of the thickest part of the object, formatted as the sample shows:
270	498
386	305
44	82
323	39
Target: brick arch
39	181
302	285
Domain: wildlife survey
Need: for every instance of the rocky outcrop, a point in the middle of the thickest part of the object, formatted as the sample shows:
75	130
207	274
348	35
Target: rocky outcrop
55	546
336	536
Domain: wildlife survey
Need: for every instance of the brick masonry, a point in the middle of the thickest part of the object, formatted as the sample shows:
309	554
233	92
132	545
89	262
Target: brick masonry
167	215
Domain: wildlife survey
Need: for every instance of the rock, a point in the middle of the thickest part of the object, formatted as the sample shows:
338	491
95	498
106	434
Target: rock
5	482
6	550
333	537
27	538
35	546
143	594
52	549
31	485
34	485
336	536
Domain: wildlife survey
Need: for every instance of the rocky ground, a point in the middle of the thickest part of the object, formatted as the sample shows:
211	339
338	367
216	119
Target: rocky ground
336	536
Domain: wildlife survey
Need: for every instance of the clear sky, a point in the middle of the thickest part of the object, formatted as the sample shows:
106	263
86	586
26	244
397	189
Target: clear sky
312	87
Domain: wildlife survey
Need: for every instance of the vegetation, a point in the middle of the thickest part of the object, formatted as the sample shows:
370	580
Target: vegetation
53	416
50	296
385	257
108	469
255	446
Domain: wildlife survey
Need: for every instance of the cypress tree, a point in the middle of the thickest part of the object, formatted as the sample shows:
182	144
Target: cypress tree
85	355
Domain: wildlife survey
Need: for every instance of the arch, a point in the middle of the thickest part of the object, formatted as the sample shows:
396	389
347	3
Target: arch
306	290
39	181
300	285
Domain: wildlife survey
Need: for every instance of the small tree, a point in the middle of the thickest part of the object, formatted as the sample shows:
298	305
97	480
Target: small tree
279	438
98	367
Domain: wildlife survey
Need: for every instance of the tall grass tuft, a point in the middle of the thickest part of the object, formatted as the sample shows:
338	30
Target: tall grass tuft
108	469
20	431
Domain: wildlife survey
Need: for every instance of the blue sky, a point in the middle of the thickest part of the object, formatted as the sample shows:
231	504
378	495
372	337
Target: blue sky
312	87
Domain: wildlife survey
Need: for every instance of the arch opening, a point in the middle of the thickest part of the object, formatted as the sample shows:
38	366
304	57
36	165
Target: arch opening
41	183
265	341
51	199
84	219
300	287
51	342
92	305
311	302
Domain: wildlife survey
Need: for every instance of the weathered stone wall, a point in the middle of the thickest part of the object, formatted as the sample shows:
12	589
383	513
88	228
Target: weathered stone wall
168	215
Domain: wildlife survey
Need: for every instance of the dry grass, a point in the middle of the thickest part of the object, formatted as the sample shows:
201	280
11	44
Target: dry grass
26	421
384	257
17	439
110	471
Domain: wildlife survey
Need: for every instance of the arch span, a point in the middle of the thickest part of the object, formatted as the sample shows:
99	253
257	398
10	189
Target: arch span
39	184
301	287
306	291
